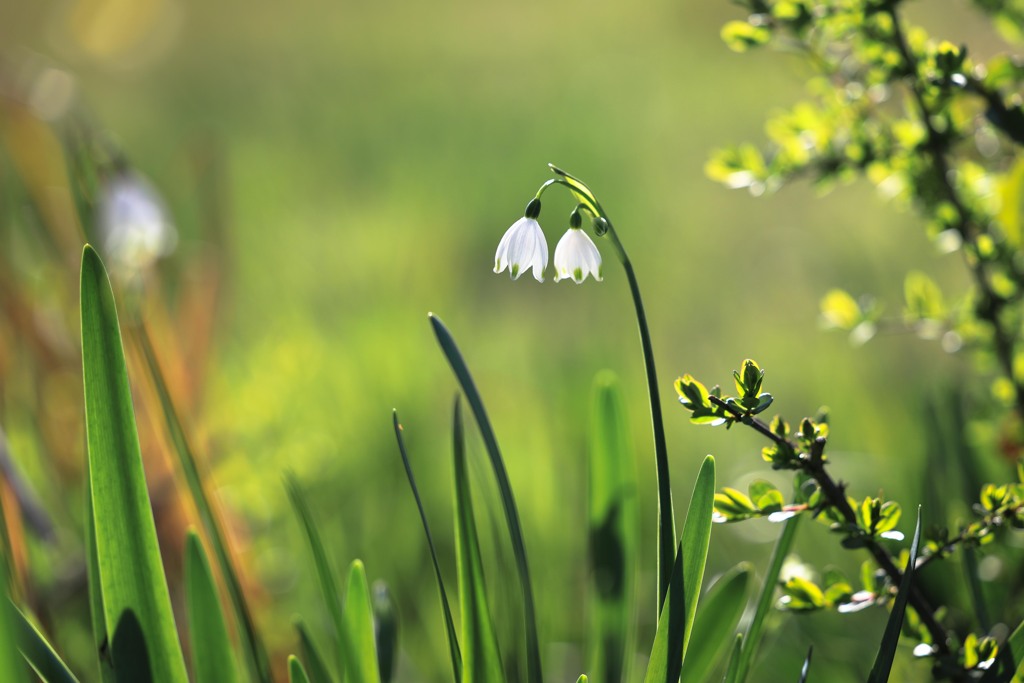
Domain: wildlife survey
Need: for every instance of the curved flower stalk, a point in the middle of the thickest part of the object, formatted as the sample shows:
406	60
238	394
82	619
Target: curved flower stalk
576	256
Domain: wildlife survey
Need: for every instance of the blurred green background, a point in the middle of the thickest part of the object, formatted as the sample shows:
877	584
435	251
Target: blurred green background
370	157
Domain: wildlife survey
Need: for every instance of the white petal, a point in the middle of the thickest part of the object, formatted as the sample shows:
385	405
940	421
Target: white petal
576	256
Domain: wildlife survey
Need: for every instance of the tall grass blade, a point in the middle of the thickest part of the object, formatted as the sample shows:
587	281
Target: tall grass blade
613	519
92	567
213	659
12	665
887	649
385	630
314	661
449	624
358	614
136	605
732	671
666	661
40	655
252	645
764	601
695	540
716	621
482	659
327	577
296	674
675	624
458	365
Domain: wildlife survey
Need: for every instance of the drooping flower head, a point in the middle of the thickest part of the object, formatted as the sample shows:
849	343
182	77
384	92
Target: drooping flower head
133	223
523	246
576	255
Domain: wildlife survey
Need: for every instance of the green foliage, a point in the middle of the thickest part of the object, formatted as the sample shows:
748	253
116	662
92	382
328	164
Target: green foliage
613	521
136	605
212	655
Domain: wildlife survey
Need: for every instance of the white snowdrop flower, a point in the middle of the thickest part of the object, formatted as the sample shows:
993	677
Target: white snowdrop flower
133	223
523	246
576	256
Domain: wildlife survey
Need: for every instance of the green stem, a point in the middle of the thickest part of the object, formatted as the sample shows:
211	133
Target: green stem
666	516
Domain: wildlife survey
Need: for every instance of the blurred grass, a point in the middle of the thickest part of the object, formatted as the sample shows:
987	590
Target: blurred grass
375	153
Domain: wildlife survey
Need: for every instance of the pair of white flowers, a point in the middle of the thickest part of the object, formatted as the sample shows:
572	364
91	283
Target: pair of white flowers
524	247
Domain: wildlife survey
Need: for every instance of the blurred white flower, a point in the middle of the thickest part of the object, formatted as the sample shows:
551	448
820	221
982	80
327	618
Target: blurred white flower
133	225
576	257
522	247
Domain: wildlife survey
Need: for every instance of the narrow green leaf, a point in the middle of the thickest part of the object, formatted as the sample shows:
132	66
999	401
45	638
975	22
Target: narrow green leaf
385	622
137	607
764	601
582	679
326	575
482	659
732	671
970	562
716	621
887	649
695	540
458	365
613	519
317	667
296	674
449	624
252	645
12	665
40	655
358	614
666	661
99	624
213	659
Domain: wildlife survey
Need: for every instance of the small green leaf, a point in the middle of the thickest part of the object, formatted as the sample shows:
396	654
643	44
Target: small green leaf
37	651
717	616
358	615
296	674
314	661
213	660
740	36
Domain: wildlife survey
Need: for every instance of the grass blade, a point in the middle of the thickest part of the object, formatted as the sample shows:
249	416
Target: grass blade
136	605
99	624
458	365
213	659
12	665
677	614
315	664
732	672
695	540
326	575
385	630
764	601
613	519
482	659
887	649
358	614
666	661
716	621
449	624
296	674
255	652
40	655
